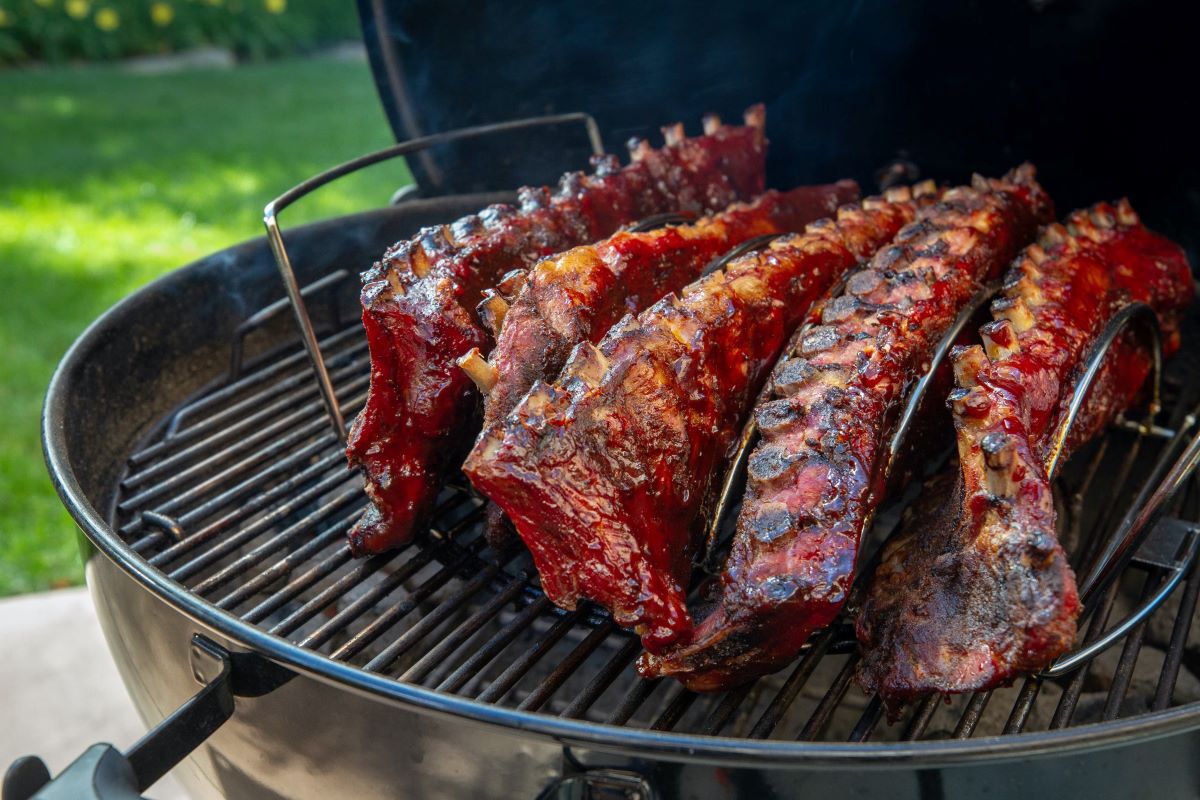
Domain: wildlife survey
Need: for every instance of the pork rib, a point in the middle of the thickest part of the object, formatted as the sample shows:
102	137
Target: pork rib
418	303
976	591
816	475
578	295
606	472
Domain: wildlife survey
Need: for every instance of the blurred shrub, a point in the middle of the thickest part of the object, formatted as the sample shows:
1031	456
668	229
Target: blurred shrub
64	30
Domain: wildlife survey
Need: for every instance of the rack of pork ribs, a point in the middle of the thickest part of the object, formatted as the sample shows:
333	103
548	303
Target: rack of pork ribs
628	373
419	302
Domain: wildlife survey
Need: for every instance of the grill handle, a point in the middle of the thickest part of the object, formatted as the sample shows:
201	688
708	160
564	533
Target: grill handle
104	773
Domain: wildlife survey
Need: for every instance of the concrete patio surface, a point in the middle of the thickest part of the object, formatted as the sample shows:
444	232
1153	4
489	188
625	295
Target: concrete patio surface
59	688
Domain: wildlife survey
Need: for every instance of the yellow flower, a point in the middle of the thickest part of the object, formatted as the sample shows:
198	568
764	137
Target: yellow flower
78	9
107	19
5	19
275	6
162	14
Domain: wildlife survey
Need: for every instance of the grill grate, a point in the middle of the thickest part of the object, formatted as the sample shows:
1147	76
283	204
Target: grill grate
243	497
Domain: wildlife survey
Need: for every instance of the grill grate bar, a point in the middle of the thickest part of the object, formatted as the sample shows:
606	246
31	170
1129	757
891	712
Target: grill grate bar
349	493
284	566
550	684
1179	636
175	429
275	449
867	722
675	710
1023	705
395	613
820	717
1070	696
641	691
360	572
436	655
792	686
294	587
300	382
250	422
393	581
603	679
364	602
241	510
923	716
252	559
971	715
490	649
730	703
1129	653
516	670
416	633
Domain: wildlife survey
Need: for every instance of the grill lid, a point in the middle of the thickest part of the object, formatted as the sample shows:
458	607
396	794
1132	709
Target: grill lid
1087	91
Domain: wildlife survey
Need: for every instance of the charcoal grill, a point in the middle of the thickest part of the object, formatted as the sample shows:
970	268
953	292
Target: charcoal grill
195	434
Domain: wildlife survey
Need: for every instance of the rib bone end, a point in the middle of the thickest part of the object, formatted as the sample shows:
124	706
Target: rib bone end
478	369
999	459
1125	213
925	188
418	261
492	310
638	149
589	364
1015	311
393	280
967	363
712	124
512	283
1000	339
756	116
673	134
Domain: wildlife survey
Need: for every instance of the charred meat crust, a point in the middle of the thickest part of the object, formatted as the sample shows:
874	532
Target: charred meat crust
974	592
606	472
578	295
816	475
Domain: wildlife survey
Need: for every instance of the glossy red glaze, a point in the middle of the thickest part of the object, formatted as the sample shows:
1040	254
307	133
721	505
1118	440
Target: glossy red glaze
418	307
606	473
819	470
578	295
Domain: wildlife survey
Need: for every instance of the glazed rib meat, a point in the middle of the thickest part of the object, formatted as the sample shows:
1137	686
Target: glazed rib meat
815	477
418	303
976	591
578	295
607	471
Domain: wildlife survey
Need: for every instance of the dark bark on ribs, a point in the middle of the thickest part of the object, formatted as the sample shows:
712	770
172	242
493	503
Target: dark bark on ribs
578	295
976	591
606	472
816	476
418	304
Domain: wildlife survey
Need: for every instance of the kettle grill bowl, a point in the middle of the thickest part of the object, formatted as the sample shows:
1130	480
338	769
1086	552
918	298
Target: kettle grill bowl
336	729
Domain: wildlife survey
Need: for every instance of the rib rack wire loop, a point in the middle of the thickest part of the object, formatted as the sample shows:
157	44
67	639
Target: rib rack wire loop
295	295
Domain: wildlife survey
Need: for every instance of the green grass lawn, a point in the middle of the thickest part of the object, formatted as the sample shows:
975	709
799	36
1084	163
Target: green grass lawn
108	179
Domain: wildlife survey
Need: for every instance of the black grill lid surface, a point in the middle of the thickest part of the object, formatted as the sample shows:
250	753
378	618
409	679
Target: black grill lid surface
1093	93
